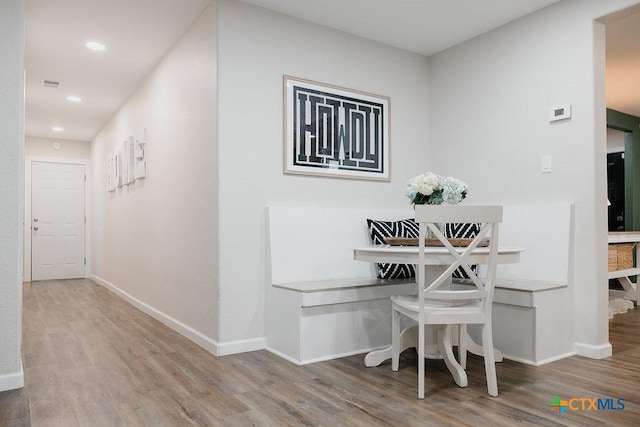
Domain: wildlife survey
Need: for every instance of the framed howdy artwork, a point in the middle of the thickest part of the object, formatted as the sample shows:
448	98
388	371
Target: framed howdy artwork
335	132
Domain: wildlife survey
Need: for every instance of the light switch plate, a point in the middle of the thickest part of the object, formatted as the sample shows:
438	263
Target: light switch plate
545	164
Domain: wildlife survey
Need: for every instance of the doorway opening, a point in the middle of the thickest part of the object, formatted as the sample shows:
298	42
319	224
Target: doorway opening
615	179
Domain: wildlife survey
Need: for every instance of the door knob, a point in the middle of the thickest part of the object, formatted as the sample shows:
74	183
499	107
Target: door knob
35	228
35	219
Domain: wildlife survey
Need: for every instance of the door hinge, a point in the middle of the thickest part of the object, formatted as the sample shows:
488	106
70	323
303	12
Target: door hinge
85	177
85	261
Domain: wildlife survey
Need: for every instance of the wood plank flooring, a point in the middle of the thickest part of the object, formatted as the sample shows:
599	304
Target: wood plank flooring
91	359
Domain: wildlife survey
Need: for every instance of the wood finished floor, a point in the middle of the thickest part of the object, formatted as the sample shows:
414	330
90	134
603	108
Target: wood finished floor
91	359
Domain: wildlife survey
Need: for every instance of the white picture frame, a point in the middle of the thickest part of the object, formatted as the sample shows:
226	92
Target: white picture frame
333	131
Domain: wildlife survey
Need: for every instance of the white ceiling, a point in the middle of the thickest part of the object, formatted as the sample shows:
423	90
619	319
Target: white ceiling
421	26
138	33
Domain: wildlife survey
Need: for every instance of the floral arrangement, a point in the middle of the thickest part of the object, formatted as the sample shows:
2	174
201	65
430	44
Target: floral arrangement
432	189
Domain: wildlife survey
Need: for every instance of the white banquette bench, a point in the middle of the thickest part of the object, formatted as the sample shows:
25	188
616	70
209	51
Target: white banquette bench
322	305
532	305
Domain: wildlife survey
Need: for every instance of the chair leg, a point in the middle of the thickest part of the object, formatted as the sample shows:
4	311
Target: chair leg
446	350
395	340
462	345
489	359
421	361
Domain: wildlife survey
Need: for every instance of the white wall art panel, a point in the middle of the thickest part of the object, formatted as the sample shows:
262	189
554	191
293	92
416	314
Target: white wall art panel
140	168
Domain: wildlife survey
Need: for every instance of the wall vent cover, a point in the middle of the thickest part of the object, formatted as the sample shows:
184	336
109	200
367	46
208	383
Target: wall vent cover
54	84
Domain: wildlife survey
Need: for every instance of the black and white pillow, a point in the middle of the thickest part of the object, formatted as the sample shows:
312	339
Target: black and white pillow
461	231
381	229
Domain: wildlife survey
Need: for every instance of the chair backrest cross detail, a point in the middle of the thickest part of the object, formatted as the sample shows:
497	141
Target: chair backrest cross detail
441	304
433	218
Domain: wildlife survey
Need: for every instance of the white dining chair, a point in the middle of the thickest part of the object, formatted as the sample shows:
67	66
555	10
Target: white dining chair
441	305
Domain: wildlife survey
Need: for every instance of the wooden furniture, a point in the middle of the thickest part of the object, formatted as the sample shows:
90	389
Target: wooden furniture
433	258
439	304
320	304
534	296
529	301
438	263
622	246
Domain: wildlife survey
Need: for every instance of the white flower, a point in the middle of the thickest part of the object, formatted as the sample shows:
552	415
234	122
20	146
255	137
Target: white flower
433	189
453	190
424	184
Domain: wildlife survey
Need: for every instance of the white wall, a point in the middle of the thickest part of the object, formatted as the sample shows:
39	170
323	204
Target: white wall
11	170
490	100
42	147
256	48
155	242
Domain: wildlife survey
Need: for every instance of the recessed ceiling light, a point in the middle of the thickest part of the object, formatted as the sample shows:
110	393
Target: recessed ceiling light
57	129
95	46
72	98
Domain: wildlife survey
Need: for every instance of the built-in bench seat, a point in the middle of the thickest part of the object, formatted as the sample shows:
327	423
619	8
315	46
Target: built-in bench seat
525	316
323	305
325	292
522	291
532	309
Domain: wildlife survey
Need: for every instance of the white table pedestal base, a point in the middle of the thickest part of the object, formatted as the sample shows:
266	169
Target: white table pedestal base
437	347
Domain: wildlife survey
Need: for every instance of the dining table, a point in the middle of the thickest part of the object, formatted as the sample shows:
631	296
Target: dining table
437	258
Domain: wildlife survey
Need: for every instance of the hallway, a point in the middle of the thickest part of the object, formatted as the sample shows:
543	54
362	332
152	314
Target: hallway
91	359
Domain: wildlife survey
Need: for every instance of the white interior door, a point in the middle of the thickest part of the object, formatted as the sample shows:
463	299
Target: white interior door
58	221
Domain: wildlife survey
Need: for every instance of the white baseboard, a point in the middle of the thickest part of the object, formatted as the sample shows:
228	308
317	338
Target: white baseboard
284	356
217	348
319	359
541	362
555	358
190	333
243	346
593	351
12	381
